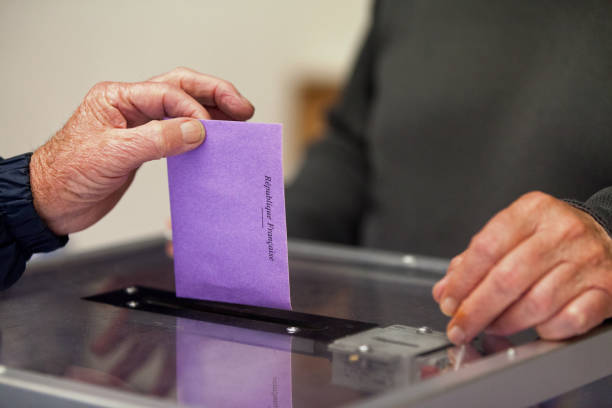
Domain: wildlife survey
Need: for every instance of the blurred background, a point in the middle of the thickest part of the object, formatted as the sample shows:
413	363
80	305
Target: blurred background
288	57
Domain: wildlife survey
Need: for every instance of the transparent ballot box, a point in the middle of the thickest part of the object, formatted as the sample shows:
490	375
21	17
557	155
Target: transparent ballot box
105	329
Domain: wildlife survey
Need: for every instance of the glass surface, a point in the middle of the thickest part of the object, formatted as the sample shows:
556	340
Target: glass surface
46	327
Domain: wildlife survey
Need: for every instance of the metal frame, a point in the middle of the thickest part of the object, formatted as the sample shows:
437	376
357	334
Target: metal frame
527	368
20	388
483	383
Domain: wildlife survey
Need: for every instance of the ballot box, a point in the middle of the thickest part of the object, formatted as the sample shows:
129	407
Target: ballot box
105	329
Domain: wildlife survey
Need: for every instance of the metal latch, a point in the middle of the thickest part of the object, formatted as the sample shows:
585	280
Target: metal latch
383	357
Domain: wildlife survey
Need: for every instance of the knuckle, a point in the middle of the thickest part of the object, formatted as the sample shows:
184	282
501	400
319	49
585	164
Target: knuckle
163	86
103	85
534	200
572	227
146	143
225	87
484	246
182	70
230	86
537	197
158	141
455	262
99	88
504	281
538	303
595	254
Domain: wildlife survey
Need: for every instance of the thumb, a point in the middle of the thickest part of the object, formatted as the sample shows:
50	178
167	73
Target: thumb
161	138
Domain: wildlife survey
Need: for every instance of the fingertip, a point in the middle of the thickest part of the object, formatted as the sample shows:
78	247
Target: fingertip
456	335
237	107
581	315
455	262
448	306
250	108
250	112
193	132
438	289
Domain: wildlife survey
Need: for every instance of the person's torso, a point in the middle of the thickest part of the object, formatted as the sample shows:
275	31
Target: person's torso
478	102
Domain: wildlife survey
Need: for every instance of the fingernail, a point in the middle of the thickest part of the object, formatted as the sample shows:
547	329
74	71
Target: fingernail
456	335
438	289
448	306
193	131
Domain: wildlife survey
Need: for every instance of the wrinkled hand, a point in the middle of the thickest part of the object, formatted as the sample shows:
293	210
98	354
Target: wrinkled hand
539	263
81	173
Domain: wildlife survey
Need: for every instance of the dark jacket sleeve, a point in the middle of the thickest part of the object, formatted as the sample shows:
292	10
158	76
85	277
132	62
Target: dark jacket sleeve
12	257
327	200
22	231
599	206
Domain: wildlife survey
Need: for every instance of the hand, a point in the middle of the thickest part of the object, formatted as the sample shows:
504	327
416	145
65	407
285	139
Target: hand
81	173
539	263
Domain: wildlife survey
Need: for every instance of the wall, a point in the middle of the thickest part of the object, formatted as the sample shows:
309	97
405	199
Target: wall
53	52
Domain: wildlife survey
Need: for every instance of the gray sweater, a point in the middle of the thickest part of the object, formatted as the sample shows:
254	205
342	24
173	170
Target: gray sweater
454	109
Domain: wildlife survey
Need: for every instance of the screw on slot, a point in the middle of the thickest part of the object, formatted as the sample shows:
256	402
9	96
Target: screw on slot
424	330
292	329
131	290
133	304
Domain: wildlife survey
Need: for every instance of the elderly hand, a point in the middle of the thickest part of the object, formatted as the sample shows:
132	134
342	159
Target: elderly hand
81	173
539	263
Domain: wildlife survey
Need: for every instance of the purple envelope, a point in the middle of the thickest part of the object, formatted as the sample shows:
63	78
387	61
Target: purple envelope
228	216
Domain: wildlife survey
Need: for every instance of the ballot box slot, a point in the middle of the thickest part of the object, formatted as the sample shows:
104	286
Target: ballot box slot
287	322
302	325
400	343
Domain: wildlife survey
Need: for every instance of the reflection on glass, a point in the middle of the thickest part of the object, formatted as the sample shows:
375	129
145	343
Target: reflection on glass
121	357
225	366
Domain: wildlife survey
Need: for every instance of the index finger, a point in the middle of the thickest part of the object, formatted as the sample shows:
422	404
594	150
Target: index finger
140	102
500	235
210	91
503	285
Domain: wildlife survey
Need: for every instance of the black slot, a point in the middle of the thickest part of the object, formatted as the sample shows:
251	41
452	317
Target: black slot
313	327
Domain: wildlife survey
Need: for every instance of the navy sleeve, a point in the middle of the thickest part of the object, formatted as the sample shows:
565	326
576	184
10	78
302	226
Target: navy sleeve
22	231
12	258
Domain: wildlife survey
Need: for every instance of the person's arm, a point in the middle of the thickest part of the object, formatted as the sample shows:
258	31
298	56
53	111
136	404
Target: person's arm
327	200
78	176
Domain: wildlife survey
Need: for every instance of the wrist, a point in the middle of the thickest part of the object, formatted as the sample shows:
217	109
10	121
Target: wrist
44	194
601	221
17	208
